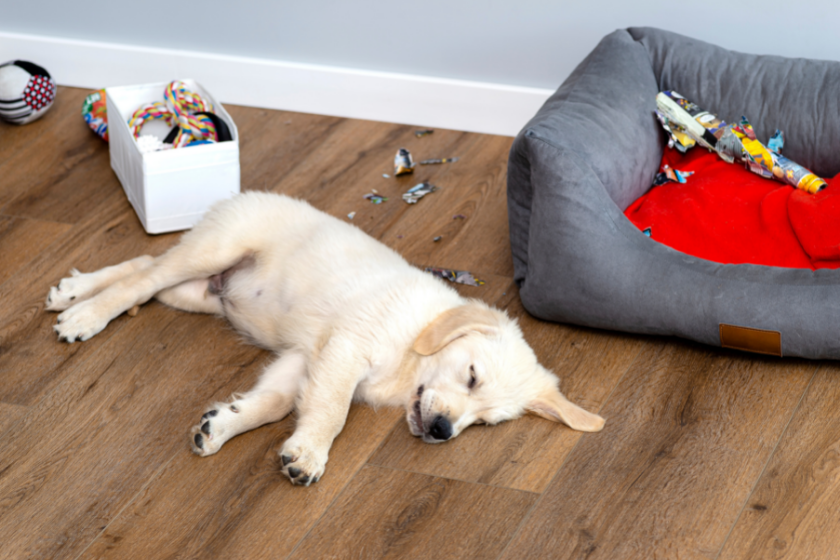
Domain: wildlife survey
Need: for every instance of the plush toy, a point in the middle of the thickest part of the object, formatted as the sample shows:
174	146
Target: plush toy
26	91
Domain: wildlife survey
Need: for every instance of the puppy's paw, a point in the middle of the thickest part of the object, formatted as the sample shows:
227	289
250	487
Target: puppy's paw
301	463
80	322
216	426
70	291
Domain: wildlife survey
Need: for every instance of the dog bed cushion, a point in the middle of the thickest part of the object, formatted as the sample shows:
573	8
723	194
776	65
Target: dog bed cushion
594	148
725	213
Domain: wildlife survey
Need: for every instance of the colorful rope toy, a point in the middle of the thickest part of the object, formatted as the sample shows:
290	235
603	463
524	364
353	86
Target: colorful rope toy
182	108
150	112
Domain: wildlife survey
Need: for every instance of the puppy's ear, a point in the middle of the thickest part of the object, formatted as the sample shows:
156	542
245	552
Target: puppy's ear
455	323
552	405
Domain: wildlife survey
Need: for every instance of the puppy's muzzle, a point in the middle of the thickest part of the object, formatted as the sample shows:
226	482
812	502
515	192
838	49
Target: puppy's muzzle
441	428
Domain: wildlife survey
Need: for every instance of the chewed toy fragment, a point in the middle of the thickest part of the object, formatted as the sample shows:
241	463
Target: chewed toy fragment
376	198
440	160
438	238
456	276
419	133
668	175
687	125
459	217
777	142
415	193
351	215
403	163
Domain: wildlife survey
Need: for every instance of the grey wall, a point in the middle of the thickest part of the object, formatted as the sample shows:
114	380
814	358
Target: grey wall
517	42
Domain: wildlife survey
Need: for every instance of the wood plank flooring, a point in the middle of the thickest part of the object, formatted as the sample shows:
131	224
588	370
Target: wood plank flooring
707	454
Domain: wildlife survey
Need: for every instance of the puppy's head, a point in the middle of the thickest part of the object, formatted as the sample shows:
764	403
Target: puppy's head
476	368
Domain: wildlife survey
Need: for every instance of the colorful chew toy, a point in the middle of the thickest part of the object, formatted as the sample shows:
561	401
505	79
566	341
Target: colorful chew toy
95	113
150	112
183	109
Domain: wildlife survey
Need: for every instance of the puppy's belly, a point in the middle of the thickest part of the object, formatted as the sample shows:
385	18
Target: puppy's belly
271	311
260	317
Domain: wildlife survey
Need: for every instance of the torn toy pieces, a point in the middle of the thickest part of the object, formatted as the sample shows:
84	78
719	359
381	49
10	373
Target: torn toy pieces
668	175
440	160
457	276
376	198
687	125
415	193
403	163
419	133
777	142
351	215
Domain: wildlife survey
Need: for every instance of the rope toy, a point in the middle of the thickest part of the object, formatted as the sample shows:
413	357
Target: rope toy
179	110
150	112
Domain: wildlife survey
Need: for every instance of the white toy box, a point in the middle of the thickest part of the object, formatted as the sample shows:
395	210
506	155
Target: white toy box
172	189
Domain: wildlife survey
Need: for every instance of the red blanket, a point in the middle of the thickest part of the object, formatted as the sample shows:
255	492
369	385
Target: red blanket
726	214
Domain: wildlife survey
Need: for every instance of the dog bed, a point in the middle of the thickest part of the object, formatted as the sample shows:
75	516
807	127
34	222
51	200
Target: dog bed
594	148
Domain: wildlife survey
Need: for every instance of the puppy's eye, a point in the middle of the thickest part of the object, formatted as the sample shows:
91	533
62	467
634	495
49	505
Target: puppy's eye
471	384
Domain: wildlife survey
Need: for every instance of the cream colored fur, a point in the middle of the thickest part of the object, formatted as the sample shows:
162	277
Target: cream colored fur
349	319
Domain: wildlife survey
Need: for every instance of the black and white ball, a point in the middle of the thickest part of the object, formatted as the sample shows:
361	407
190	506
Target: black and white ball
26	91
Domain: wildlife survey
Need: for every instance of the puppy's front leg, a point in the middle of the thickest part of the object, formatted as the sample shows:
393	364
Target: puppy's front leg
323	405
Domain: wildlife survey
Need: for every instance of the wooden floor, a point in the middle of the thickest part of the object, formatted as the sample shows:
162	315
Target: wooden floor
706	453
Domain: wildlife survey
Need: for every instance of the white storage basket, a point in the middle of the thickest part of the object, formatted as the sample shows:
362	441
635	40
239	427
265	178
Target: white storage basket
172	189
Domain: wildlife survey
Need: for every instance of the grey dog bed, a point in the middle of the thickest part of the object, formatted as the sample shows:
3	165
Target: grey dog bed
594	148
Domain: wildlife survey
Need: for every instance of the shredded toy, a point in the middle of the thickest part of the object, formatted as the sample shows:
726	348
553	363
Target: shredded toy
375	197
415	193
688	125
190	114
456	276
671	175
403	163
440	160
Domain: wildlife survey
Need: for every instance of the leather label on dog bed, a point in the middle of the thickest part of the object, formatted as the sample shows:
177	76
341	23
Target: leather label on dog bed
751	340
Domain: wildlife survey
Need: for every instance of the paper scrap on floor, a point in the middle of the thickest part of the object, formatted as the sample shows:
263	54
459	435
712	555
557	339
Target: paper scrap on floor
456	276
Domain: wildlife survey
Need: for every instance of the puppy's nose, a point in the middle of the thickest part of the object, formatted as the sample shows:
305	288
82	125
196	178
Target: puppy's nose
441	428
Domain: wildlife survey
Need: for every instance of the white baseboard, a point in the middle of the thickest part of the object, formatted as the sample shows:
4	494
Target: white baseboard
308	88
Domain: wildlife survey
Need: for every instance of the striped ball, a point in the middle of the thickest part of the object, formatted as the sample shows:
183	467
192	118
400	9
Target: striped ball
26	91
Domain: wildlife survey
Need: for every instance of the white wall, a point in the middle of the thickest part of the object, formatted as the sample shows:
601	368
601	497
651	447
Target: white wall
517	42
490	63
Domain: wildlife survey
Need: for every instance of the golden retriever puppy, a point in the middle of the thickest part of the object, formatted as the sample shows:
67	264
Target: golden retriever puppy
349	319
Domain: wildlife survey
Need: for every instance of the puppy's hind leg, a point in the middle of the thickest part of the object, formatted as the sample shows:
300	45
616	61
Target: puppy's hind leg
270	400
79	287
193	296
205	251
